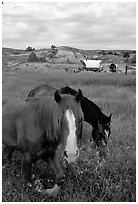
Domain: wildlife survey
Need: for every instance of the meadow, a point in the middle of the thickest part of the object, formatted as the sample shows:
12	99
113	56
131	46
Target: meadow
91	179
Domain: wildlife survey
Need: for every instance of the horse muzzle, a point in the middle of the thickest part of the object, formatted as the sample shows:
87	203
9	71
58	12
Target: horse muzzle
107	133
71	157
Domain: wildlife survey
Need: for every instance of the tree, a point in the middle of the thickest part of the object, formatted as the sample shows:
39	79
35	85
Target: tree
126	55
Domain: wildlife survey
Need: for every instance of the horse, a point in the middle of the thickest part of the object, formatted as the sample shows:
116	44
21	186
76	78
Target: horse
101	124
40	90
38	127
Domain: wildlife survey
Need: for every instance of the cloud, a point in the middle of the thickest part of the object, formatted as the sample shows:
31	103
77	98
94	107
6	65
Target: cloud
84	25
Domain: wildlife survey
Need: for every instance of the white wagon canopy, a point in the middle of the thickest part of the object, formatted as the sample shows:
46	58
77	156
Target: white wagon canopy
92	65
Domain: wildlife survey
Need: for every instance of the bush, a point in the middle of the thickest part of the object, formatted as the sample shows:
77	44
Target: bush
42	59
133	59
110	53
29	48
32	57
103	52
126	55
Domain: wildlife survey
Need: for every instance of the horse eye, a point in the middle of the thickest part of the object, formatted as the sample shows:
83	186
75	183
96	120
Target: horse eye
107	126
80	120
59	122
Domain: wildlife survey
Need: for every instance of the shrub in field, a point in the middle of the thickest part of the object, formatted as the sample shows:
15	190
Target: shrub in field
133	59
32	57
29	48
42	59
126	55
103	52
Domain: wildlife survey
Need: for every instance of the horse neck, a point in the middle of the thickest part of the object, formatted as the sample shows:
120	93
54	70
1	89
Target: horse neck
92	113
91	103
103	118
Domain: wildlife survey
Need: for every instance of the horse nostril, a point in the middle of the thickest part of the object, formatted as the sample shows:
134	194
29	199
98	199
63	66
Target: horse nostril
65	154
77	153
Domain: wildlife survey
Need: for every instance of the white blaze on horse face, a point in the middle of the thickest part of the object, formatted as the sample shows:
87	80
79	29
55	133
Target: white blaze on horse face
71	145
106	133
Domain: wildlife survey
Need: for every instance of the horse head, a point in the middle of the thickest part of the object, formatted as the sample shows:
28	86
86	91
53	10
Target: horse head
104	128
70	124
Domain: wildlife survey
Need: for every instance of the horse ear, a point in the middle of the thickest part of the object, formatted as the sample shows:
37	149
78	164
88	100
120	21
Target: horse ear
57	96
79	96
110	116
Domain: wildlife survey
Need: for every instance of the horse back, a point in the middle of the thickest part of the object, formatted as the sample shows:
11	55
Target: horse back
11	105
10	110
40	91
21	127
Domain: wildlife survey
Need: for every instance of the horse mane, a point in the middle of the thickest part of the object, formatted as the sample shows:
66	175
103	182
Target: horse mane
49	115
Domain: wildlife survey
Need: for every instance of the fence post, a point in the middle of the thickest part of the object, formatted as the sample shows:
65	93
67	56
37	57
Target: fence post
126	70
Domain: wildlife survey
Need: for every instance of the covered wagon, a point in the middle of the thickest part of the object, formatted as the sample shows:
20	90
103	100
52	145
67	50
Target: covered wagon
92	65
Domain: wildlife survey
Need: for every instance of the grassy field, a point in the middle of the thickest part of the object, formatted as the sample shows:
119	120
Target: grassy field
111	180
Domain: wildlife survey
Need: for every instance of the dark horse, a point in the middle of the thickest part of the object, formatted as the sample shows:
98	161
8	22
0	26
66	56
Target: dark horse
92	113
38	127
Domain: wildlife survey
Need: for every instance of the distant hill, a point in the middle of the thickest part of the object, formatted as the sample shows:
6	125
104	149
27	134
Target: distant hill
81	51
71	49
12	50
64	55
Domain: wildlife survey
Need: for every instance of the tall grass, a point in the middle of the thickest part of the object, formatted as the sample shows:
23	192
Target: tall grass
56	78
92	179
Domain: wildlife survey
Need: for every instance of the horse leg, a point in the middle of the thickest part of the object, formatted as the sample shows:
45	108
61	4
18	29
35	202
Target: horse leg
103	147
58	170
26	167
6	154
95	136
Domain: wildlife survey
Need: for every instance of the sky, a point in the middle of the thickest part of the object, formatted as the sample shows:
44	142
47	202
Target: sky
84	25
